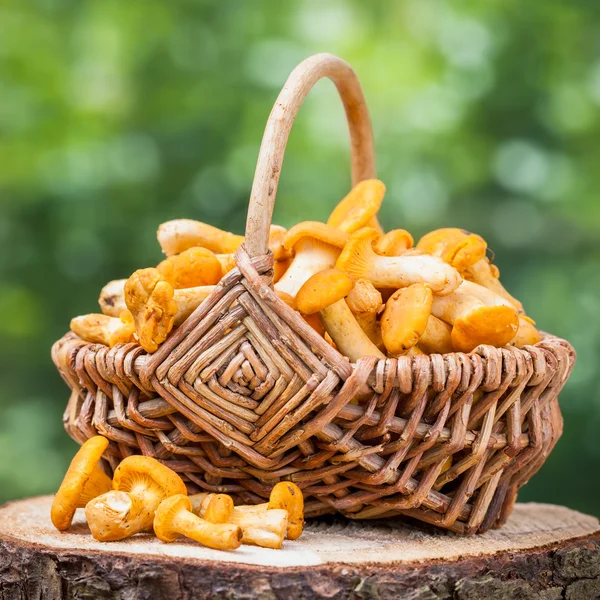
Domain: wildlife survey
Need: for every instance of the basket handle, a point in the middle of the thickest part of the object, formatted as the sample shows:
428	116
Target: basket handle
272	148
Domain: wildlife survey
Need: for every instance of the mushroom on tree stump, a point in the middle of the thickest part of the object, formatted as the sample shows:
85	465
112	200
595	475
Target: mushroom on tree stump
543	552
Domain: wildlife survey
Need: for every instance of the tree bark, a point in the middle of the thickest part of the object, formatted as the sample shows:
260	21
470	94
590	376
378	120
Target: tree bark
544	553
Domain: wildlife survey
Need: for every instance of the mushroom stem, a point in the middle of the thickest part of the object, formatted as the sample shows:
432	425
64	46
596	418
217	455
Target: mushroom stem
220	536
366	303
180	234
436	338
347	334
360	262
527	335
485	275
260	526
311	257
174	517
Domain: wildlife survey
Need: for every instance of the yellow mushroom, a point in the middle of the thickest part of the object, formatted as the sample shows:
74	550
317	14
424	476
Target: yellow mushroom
360	262
83	481
150	299
180	234
260	526
316	247
393	243
193	267
102	329
437	337
466	252
227	262
527	335
187	300
288	495
174	517
112	299
279	269
405	318
487	275
473	322
324	293
359	207
365	302
140	484
455	246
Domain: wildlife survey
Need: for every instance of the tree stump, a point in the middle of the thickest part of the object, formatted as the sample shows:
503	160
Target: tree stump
544	552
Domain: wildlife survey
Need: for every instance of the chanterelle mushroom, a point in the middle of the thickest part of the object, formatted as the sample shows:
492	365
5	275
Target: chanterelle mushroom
324	293
111	299
405	318
359	207
365	303
83	481
394	243
527	335
316	248
454	246
475	323
437	337
102	329
260	526
187	300
140	484
193	267
150	299
360	262
174	517
180	234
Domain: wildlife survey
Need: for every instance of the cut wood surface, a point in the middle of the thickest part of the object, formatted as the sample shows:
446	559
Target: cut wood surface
543	552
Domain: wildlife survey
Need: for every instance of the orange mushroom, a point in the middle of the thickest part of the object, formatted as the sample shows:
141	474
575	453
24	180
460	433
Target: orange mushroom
174	517
324	293
83	481
394	243
365	303
193	267
140	484
360	262
150	299
102	329
316	247
359	208
405	318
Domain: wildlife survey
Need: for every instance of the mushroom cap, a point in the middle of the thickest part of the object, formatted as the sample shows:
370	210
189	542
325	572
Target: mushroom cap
145	470
527	335
322	290
193	267
364	298
394	242
166	513
405	317
287	495
493	325
359	207
81	469
315	230
219	509
357	253
455	246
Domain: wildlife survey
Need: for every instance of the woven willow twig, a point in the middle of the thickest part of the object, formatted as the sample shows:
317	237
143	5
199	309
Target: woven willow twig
245	393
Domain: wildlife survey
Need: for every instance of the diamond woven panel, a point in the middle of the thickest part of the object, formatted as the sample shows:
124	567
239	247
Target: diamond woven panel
245	394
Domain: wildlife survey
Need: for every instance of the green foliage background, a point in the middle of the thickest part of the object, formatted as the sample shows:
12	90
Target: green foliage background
117	115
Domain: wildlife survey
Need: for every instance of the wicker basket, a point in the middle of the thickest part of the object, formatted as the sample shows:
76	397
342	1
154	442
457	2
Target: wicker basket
245	394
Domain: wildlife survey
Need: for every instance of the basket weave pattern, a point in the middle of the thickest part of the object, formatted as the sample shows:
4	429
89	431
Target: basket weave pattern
245	393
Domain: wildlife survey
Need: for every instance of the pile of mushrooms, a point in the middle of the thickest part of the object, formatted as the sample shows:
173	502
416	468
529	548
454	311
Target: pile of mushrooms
367	292
146	495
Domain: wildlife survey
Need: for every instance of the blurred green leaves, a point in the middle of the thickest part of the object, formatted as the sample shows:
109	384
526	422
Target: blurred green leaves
116	116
